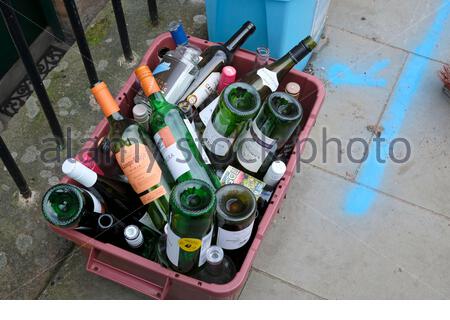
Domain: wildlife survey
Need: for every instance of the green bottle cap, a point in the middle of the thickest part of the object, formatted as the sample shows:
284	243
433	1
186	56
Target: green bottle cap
63	205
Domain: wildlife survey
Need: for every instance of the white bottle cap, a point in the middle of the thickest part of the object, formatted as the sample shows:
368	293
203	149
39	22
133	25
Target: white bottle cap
214	255
275	173
133	236
79	172
140	112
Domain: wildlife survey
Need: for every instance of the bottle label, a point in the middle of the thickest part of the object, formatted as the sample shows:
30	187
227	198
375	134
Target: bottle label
233	175
208	86
175	243
142	171
98	207
254	147
269	78
215	142
197	141
232	240
174	158
206	113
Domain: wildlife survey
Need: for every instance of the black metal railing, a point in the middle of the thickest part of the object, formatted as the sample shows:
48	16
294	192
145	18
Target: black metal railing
14	29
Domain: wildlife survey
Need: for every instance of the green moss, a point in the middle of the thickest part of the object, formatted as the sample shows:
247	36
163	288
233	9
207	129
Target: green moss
97	32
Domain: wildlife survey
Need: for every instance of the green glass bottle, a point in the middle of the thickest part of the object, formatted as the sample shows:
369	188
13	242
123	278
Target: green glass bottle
267	78
67	206
238	104
193	204
170	131
134	152
257	147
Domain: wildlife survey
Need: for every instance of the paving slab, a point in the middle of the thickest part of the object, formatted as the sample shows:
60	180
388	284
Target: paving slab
399	23
425	178
73	282
355	99
263	286
395	251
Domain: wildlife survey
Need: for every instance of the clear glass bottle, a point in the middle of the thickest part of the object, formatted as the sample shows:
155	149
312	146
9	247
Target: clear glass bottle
219	268
262	57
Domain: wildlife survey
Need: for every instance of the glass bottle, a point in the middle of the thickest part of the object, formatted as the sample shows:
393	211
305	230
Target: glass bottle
267	78
262	57
256	148
134	152
141	241
161	249
193	204
214	58
238	104
172	136
219	268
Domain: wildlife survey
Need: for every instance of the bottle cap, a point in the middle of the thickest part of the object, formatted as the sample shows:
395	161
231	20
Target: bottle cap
275	173
293	88
178	34
166	228
148	82
140	112
227	77
105	221
79	172
105	99
214	255
133	236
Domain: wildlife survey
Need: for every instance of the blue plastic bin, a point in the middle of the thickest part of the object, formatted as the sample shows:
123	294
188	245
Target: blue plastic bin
280	24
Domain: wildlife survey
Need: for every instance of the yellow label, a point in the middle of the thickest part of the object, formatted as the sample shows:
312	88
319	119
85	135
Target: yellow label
189	244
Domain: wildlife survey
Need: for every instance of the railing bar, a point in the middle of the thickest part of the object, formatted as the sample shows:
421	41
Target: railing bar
153	11
122	28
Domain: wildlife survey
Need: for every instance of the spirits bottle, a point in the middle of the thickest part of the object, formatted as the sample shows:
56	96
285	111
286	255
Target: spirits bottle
256	148
214	58
172	136
119	197
193	204
141	241
267	79
238	104
219	268
134	152
67	206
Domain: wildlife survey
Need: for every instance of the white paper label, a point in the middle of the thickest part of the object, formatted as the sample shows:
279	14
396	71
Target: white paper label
197	141
215	142
269	78
232	240
254	147
98	207
173	247
205	89
206	113
172	155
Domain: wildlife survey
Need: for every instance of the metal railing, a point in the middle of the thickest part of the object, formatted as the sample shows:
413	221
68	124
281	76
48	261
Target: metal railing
14	29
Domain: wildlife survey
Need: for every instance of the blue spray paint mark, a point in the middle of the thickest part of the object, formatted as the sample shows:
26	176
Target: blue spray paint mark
340	74
360	198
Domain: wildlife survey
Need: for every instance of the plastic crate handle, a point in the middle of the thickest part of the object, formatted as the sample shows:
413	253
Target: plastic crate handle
105	270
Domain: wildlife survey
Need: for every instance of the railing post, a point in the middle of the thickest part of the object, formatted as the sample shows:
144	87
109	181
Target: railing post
83	46
153	11
22	48
14	170
122	28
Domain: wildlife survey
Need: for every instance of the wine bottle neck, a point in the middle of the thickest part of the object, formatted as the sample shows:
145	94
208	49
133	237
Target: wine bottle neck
158	101
116	116
239	37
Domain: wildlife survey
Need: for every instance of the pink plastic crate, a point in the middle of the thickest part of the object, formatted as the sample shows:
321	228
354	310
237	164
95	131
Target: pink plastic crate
150	278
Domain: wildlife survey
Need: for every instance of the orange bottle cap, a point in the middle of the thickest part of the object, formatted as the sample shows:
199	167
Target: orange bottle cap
104	98
147	80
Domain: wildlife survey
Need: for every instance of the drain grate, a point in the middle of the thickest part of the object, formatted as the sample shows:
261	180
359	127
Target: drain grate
24	89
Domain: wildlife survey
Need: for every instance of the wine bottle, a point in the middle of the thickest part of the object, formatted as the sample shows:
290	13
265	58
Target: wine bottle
110	230
238	103
256	148
141	241
214	58
235	217
293	89
172	136
219	268
67	206
267	79
134	152
119	196
161	249
193	204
